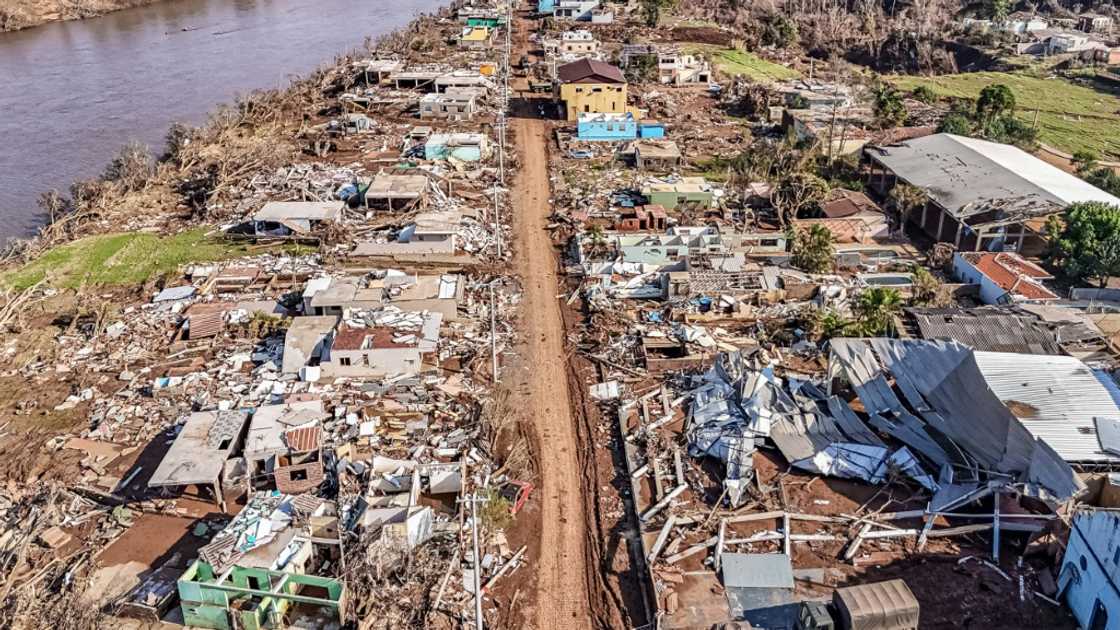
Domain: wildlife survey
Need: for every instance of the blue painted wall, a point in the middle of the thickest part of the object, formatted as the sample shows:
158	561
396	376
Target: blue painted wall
607	130
545	6
651	130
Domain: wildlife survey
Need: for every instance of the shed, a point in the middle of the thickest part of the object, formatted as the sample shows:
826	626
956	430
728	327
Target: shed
392	191
886	605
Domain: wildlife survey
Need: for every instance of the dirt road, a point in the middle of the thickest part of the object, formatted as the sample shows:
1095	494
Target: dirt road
562	568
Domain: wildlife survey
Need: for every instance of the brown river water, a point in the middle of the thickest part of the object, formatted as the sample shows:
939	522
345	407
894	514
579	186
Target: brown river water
72	93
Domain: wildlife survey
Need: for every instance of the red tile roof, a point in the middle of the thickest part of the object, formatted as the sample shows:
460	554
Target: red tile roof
303	439
1013	273
348	338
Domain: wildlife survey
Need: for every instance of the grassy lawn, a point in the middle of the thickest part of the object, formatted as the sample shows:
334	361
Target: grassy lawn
731	61
120	259
1070	117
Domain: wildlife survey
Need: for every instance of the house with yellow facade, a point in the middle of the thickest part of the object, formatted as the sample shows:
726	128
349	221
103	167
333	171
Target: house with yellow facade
588	86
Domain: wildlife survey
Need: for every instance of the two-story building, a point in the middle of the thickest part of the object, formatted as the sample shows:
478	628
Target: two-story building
588	86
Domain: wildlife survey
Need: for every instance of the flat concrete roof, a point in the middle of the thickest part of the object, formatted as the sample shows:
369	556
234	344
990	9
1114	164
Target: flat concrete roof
288	210
201	449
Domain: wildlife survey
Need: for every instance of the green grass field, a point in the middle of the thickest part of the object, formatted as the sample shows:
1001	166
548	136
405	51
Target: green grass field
1070	117
731	61
120	259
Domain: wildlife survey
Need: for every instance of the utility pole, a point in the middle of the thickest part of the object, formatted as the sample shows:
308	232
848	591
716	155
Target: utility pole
474	500
493	334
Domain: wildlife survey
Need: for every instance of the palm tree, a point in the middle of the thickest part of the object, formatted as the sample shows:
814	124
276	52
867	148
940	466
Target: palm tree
596	241
875	310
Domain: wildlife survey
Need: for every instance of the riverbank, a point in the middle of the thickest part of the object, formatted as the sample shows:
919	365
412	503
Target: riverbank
16	15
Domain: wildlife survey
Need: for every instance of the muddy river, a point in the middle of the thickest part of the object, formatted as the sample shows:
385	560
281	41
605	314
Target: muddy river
72	93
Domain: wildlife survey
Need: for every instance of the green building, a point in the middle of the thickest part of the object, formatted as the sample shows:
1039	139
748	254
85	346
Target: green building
252	598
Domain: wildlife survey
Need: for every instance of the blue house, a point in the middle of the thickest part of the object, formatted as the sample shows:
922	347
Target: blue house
608	127
651	129
545	6
1091	570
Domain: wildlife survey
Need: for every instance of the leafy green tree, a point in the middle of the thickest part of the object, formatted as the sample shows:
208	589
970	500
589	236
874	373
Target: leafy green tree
826	323
927	288
925	94
1089	245
796	191
998	10
812	250
1010	130
875	309
651	10
890	111
994	101
779	31
1106	179
956	123
1085	161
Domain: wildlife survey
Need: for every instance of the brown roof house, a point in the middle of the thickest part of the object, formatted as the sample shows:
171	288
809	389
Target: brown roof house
588	86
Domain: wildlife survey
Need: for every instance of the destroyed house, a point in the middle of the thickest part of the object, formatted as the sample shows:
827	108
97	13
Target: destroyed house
677	244
1090	573
464	147
448	106
264	569
642	218
1004	277
677	68
397	191
851	217
682	192
434	232
331	296
199	453
981	196
288	218
655	155
252	598
306	341
283	447
387	343
462	79
591	87
477	37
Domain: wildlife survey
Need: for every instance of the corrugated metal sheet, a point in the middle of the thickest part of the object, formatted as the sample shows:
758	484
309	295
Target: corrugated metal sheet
1055	397
757	570
989	330
203	325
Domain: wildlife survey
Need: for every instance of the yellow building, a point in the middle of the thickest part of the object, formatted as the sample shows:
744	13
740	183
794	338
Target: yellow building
591	87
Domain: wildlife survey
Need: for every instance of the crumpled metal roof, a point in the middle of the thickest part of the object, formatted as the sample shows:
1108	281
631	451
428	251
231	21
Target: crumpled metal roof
959	412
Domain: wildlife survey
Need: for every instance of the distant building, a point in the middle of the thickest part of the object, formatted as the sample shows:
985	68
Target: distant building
578	43
591	87
981	196
1094	23
448	106
1004	277
683	192
676	68
576	10
476	37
